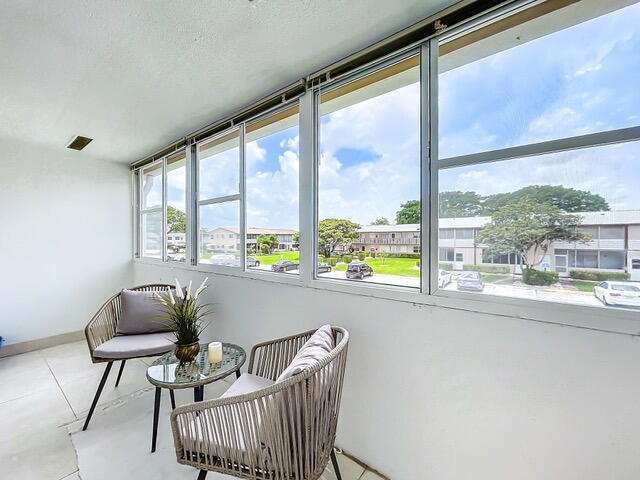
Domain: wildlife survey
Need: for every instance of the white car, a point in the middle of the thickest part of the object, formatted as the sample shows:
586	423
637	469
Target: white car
444	278
623	294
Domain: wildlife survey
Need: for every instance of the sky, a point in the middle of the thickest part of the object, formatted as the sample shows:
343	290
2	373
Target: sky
581	80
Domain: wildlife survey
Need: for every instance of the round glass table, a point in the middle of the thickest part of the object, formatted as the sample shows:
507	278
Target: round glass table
167	372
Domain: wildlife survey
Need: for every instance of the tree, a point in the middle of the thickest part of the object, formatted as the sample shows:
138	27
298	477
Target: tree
528	228
409	212
176	220
380	221
566	199
296	238
459	204
333	232
267	243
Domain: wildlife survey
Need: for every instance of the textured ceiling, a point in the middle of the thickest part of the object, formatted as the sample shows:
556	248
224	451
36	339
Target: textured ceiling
136	75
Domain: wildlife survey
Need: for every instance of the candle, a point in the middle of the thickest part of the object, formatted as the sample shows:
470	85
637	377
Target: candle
215	352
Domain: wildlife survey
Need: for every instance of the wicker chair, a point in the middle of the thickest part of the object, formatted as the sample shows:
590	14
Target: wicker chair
284	430
102	328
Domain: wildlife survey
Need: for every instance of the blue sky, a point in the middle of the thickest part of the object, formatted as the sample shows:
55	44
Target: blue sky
581	80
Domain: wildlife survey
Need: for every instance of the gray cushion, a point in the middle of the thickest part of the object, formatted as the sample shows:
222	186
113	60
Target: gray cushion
131	346
315	349
141	312
247	383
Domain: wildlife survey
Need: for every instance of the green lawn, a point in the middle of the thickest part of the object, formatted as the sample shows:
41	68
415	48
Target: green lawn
271	259
389	266
584	285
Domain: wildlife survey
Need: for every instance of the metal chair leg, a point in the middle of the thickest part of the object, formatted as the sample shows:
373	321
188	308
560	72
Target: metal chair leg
97	395
120	372
334	462
202	475
173	399
156	413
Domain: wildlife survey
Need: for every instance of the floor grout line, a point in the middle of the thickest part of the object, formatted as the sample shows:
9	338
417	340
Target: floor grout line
60	387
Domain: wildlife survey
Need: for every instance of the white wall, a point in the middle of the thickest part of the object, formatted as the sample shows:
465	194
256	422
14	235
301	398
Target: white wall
443	394
65	238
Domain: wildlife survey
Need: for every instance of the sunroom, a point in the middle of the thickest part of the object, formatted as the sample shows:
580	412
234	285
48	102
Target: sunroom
328	240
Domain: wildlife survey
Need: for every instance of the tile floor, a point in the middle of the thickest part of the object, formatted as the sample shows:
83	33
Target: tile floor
43	392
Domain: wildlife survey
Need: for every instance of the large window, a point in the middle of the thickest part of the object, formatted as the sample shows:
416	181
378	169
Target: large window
272	172
369	173
176	229
524	186
151	201
219	235
532	158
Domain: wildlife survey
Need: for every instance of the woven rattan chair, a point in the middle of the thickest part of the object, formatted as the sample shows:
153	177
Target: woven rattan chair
284	430
102	329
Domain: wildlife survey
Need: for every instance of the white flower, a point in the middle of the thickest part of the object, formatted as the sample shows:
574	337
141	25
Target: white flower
202	286
162	299
173	302
189	290
178	289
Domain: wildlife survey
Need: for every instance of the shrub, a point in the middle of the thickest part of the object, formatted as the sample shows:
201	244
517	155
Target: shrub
333	261
372	254
417	263
347	258
488	268
531	276
361	256
598	276
401	255
446	265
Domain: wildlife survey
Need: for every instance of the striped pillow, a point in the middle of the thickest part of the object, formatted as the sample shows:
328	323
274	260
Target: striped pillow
313	351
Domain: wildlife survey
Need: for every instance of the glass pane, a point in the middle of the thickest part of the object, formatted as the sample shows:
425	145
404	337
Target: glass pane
534	83
552	213
219	167
151	194
272	177
177	208
220	234
369	178
151	224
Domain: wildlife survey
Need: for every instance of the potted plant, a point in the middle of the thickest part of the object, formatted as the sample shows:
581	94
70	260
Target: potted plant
185	318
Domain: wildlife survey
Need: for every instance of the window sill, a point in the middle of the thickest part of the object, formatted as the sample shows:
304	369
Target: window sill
542	311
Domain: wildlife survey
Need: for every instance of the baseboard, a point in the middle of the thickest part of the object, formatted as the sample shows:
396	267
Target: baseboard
40	343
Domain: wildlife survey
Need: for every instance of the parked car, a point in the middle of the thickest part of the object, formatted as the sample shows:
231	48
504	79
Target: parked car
444	278
359	270
284	266
252	262
471	281
323	267
624	294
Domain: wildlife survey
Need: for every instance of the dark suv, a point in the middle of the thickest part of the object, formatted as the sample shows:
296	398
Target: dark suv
359	270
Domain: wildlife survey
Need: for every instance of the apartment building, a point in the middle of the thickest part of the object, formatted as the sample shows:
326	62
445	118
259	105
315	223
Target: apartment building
614	243
227	239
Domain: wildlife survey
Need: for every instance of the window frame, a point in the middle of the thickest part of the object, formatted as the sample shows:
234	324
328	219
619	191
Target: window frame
582	316
217	200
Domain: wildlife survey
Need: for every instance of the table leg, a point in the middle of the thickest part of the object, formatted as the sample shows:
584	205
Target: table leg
156	413
238	373
173	399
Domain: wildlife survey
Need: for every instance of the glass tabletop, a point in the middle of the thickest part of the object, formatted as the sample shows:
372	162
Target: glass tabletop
167	372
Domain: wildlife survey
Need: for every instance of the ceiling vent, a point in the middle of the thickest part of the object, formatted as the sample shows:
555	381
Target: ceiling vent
78	142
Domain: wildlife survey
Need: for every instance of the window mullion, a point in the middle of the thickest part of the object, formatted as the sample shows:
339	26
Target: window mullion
308	213
242	197
164	209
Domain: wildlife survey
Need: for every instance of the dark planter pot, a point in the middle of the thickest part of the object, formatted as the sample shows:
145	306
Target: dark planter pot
186	353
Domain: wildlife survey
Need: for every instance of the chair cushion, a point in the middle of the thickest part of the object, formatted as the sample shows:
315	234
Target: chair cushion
313	351
131	346
141	312
247	383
